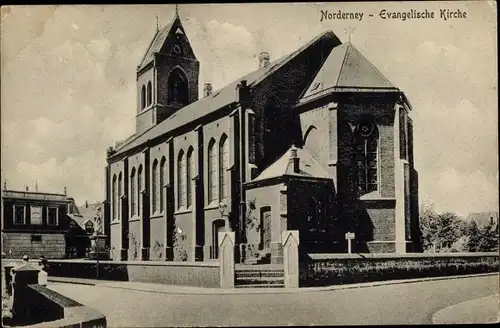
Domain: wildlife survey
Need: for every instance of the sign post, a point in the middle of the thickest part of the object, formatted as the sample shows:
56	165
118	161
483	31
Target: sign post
349	236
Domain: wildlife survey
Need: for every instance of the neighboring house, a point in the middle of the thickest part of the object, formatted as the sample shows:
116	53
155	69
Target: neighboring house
484	219
82	226
228	160
34	223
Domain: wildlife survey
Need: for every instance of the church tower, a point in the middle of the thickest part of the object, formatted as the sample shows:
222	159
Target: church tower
167	77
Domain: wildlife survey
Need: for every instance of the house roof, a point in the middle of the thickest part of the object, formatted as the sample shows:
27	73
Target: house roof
80	220
308	167
216	100
483	219
346	67
85	213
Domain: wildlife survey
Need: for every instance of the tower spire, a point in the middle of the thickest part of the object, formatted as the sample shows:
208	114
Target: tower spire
176	10
157	24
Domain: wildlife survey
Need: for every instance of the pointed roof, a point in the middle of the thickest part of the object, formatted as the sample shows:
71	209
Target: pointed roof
159	39
155	45
217	100
308	167
346	67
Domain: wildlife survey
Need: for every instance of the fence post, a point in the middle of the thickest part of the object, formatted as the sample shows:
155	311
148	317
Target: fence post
226	259
21	304
290	239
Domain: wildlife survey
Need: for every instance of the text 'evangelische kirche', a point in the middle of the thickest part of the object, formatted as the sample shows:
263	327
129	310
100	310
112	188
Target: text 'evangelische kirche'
318	141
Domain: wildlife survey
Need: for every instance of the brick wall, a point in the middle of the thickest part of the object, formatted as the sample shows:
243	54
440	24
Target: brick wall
51	245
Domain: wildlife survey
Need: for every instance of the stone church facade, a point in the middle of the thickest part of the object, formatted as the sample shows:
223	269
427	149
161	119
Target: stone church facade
318	141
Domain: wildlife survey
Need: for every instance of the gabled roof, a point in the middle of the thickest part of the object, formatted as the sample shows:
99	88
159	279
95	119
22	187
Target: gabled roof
346	67
308	167
217	100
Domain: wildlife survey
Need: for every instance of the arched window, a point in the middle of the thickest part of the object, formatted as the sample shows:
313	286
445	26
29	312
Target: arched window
366	149
114	197
212	171
223	166
139	190
177	88
120	192
162	183
133	193
154	186
143	97
181	180
150	94
189	176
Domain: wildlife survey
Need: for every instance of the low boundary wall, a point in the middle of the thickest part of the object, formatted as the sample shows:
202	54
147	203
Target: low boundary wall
337	269
199	274
50	308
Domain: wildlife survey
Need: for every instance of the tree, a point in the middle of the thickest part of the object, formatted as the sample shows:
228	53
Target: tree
440	232
482	239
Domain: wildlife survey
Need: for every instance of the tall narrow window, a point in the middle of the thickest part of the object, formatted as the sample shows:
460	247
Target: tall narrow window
223	166
52	216
19	214
251	139
120	193
181	180
143	97
114	197
189	176
366	144
150	94
212	171
133	193
162	183
154	186
139	190
403	136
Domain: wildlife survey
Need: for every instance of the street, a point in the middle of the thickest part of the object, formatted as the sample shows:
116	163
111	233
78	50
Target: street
409	303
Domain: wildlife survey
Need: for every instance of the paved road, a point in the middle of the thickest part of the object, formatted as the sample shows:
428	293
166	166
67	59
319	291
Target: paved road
412	303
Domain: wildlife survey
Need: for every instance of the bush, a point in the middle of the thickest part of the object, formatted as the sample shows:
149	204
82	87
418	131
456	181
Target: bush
348	271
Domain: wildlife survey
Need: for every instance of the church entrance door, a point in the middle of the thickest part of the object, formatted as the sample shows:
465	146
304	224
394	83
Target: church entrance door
217	226
265	217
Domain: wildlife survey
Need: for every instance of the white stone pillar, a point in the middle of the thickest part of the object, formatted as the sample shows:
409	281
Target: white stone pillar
226	259
290	240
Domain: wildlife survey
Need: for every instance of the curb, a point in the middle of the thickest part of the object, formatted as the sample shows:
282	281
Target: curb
243	291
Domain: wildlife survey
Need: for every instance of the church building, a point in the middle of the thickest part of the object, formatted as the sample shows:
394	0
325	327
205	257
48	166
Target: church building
317	141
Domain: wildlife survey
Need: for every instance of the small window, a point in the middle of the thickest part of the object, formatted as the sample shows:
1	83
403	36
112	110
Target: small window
19	215
52	217
89	227
36	238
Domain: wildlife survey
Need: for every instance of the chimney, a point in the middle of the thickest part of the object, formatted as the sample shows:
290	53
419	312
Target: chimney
207	90
264	59
5	185
86	204
36	186
27	188
65	191
294	160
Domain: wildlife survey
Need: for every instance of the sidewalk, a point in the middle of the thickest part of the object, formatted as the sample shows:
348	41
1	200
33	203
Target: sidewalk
482	310
191	290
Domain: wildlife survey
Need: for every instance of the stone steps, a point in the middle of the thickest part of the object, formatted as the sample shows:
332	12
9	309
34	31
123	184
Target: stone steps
261	286
259	276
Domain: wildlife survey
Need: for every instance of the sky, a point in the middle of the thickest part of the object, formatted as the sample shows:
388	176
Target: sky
68	83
